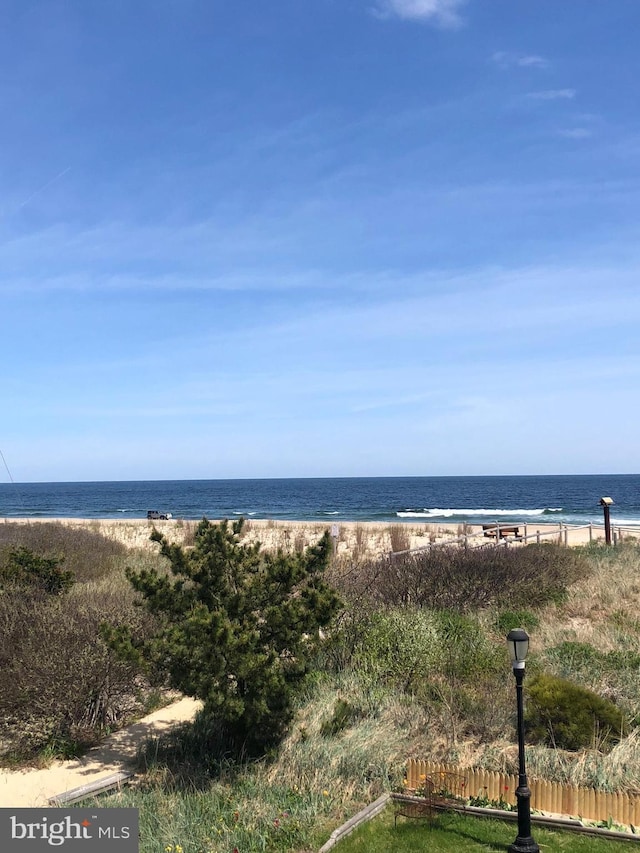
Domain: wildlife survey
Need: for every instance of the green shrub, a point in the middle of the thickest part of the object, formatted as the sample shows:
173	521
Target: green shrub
237	628
442	660
406	647
563	714
508	619
87	554
24	569
466	651
398	646
613	674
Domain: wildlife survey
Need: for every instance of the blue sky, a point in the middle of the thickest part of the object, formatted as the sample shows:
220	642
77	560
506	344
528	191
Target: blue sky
319	238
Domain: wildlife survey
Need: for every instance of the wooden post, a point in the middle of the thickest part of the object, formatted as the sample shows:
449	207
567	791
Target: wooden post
607	521
590	532
335	532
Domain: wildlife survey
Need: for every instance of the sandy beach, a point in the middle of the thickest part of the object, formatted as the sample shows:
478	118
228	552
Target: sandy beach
351	538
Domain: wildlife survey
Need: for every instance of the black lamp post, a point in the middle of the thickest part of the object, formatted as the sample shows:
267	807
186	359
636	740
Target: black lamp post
518	641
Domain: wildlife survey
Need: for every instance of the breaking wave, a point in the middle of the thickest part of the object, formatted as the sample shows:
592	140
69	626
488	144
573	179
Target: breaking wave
437	512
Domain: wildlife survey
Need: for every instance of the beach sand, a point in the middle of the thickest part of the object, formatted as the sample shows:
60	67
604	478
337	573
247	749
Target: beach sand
351	538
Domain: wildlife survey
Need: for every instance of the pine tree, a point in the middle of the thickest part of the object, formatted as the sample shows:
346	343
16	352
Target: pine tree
34	573
237	628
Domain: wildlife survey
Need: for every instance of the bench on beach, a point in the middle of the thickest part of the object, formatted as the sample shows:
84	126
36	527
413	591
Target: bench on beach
492	530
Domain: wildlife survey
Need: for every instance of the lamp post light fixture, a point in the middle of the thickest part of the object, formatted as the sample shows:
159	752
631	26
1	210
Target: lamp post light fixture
518	642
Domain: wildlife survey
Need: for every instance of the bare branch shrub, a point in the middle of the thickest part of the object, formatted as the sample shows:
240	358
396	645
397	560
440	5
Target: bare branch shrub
452	578
60	686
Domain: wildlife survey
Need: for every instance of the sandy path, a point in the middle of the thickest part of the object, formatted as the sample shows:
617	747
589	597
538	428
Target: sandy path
32	787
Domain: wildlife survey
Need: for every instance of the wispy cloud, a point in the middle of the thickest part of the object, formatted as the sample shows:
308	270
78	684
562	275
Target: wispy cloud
532	61
553	95
505	59
443	13
576	133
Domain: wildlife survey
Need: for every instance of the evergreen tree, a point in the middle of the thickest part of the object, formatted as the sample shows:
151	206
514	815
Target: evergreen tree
31	572
237	627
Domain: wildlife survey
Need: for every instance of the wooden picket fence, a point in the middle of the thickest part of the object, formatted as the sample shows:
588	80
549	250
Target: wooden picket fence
554	797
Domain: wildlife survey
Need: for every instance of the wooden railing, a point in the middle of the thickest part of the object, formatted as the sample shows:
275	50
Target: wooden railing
553	797
559	533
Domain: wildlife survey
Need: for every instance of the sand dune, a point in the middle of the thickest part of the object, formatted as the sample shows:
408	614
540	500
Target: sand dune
358	538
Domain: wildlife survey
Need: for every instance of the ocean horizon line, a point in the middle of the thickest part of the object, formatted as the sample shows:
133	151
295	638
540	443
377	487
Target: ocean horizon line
316	478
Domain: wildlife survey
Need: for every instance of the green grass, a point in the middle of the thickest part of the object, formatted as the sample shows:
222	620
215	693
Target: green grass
453	833
239	814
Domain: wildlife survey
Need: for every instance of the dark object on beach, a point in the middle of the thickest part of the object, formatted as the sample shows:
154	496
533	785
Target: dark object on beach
493	531
154	515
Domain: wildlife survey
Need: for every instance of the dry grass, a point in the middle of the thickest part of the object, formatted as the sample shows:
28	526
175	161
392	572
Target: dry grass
603	609
399	538
617	770
354	540
362	760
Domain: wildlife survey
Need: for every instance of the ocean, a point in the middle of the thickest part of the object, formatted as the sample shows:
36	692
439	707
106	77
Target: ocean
571	499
